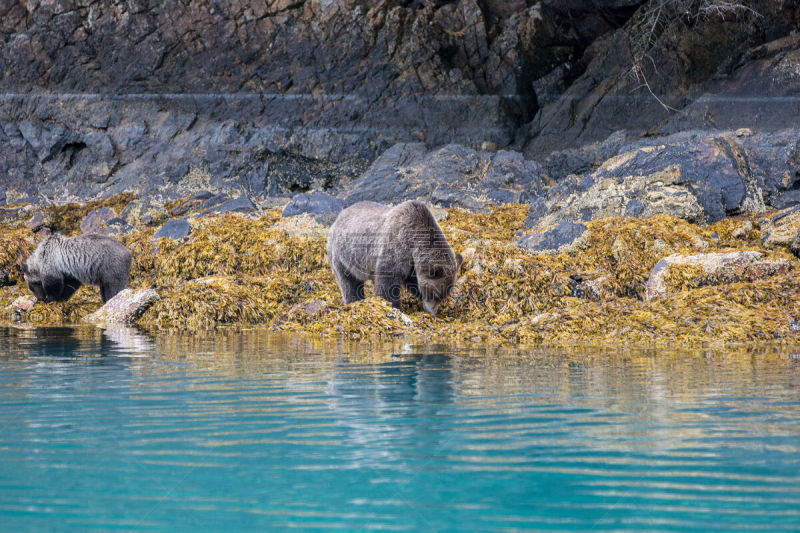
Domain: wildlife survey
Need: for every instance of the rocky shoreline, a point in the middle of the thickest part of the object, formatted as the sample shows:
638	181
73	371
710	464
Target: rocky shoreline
617	169
653	281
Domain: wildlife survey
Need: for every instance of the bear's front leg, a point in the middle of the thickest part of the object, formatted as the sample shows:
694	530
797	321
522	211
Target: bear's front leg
387	286
53	286
412	285
352	288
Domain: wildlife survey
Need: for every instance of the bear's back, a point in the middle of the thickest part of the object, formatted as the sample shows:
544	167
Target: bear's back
355	233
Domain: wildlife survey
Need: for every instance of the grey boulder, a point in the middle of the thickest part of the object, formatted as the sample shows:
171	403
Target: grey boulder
323	207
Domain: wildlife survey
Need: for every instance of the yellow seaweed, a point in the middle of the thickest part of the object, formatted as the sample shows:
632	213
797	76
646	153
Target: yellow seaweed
239	272
66	218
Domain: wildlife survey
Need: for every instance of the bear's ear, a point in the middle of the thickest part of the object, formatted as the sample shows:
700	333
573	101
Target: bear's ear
459	261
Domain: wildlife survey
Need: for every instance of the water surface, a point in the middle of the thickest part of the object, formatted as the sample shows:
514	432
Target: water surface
115	430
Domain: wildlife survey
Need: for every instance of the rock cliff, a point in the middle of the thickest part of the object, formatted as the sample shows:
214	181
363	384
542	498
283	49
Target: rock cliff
272	98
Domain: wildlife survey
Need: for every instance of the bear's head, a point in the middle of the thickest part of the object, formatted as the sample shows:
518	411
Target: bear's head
34	281
436	282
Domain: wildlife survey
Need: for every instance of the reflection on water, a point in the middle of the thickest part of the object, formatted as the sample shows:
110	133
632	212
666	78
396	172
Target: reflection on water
113	429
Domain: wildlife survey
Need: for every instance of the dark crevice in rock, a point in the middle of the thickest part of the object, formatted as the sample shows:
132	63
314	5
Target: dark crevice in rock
70	150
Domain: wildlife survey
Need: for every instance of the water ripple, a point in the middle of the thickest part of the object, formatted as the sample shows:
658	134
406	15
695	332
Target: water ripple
269	434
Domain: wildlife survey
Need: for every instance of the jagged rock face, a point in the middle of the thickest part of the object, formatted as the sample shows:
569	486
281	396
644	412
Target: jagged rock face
713	73
693	175
164	147
378	50
270	98
280	97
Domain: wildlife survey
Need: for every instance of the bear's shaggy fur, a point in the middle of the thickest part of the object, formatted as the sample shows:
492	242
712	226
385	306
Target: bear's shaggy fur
394	247
59	265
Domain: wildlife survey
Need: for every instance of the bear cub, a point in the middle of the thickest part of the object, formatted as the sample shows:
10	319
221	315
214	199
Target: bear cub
394	247
59	265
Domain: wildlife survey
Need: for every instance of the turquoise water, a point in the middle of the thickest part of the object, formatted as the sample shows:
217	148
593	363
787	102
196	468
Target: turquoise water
114	430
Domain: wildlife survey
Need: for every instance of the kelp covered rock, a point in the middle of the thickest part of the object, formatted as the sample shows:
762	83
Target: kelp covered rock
85	301
234	271
14	214
372	317
16	242
145	211
67	218
781	229
562	238
304	225
679	271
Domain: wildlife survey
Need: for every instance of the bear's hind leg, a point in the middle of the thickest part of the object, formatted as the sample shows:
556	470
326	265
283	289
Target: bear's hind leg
351	287
113	284
388	287
412	285
352	290
53	287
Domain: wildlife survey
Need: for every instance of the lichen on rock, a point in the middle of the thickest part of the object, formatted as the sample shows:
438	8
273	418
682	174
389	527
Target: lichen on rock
124	308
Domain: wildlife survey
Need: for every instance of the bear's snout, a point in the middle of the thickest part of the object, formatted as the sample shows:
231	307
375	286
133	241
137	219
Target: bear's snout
431	307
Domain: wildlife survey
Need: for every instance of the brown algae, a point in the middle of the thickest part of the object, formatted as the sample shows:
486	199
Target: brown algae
241	272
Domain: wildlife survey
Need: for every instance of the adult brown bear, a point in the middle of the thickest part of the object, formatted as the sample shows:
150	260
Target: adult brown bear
394	247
